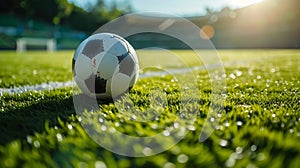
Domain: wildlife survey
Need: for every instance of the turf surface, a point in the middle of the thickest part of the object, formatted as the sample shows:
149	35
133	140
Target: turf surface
34	68
259	126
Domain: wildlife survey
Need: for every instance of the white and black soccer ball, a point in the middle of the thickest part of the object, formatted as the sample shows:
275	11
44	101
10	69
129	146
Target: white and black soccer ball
105	65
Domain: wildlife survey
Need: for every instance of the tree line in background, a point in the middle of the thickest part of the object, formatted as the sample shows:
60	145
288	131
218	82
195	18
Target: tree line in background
62	12
269	24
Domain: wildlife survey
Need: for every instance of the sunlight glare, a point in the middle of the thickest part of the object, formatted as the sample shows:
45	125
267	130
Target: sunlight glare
243	3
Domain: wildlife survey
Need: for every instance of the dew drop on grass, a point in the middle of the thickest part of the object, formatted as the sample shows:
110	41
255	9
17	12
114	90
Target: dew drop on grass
147	151
192	128
29	139
166	133
133	117
226	124
117	124
253	148
246	106
238	73
276	120
181	132
232	76
239	123
100	164
34	72
182	158
36	144
272	70
223	142
154	126
70	126
238	150
101	120
103	127
176	125
59	137
219	127
169	165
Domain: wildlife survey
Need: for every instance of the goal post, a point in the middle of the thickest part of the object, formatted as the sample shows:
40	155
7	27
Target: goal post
23	42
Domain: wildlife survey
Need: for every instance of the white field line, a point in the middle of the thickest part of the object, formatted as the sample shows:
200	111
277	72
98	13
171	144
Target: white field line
57	85
37	87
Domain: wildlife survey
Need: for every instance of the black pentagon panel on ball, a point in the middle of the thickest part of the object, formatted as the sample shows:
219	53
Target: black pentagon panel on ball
121	57
92	48
127	66
96	84
73	66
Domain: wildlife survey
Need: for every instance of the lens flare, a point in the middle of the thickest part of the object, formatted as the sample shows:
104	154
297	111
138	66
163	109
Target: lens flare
207	32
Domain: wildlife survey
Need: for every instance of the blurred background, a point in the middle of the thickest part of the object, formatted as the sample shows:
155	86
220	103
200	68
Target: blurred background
229	24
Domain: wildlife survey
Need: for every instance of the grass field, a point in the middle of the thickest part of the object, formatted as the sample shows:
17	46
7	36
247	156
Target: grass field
258	127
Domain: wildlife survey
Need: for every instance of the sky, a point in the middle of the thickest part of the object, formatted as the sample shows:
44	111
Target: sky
177	7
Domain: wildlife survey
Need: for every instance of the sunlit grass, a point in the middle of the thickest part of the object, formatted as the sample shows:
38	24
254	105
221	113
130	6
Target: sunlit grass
19	69
259	125
30	68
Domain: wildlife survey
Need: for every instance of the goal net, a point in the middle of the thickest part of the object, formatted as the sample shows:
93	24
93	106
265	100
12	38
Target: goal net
22	43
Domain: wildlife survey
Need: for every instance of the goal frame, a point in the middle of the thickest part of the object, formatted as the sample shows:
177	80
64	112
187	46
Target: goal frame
50	43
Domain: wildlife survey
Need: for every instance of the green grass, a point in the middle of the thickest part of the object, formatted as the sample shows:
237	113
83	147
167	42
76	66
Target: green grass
19	69
259	126
34	67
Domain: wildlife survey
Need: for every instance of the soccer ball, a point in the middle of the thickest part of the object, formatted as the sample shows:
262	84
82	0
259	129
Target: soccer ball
105	65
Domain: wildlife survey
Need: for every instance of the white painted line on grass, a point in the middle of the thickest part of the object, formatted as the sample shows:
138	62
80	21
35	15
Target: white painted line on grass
37	87
57	85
